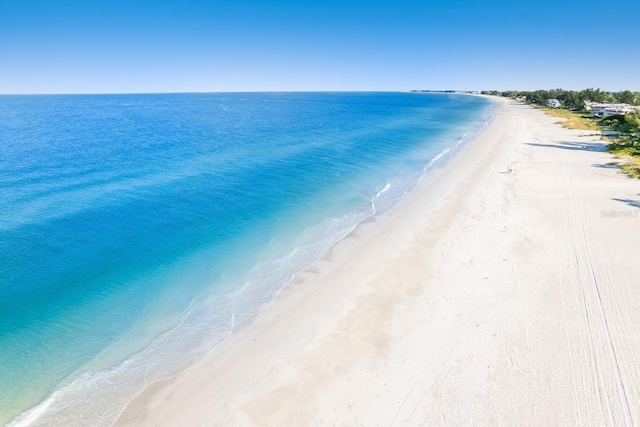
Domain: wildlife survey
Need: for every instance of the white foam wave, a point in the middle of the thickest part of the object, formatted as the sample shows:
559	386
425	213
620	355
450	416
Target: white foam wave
384	189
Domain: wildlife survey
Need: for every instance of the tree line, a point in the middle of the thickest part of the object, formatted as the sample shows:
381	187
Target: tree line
571	99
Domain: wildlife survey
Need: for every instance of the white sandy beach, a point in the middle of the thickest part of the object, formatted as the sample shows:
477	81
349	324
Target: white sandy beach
489	298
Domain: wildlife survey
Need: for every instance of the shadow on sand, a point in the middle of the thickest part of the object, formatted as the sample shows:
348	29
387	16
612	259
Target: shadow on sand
629	202
576	146
606	166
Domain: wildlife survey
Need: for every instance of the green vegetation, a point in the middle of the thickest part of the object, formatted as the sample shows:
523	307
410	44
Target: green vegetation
630	155
570	99
572	119
624	145
627	145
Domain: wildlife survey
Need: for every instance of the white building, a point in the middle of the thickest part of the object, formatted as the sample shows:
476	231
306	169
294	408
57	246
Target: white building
599	109
553	103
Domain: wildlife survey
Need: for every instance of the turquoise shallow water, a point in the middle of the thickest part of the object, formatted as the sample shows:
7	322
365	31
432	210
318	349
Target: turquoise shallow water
137	230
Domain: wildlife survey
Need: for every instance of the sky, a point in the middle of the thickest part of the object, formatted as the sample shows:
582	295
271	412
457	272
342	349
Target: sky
136	46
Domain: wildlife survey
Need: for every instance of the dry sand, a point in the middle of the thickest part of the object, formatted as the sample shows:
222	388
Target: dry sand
489	298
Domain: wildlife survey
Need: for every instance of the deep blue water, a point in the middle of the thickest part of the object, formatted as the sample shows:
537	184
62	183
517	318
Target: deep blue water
136	230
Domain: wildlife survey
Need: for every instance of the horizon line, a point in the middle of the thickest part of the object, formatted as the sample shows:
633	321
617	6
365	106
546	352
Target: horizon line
209	92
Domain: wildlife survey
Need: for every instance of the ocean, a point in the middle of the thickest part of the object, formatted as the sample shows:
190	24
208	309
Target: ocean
136	231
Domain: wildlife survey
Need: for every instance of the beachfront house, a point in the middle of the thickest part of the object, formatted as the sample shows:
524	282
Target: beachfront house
601	109
553	103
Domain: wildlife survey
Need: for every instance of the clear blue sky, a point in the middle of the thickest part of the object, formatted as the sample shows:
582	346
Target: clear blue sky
95	46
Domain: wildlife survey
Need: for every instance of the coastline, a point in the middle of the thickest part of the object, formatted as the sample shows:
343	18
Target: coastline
473	302
416	142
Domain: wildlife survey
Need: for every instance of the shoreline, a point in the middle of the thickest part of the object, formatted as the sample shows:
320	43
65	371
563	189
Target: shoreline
439	161
398	187
426	312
